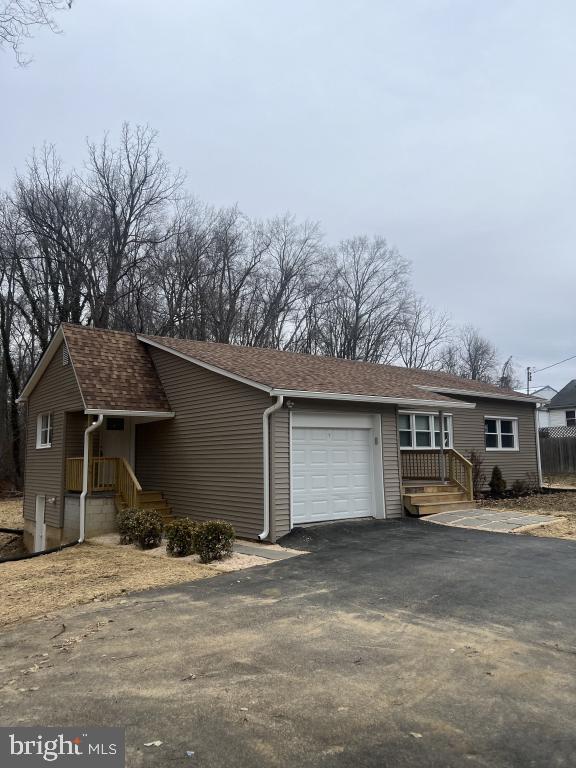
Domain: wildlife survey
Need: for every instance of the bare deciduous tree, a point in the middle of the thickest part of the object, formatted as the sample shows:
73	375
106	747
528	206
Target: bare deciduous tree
422	333
19	19
470	355
361	317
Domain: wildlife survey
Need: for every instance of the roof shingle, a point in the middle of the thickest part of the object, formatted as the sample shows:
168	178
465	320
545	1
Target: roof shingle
300	372
114	370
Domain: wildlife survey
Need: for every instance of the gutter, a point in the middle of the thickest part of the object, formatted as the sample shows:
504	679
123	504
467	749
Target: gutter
266	458
84	493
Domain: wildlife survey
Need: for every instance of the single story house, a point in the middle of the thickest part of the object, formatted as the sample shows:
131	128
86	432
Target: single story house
265	439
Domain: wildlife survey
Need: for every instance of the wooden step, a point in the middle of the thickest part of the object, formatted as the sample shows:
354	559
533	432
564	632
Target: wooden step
428	487
157	505
150	496
425	498
434	507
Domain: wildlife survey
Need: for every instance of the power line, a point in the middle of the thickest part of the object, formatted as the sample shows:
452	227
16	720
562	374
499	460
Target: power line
537	370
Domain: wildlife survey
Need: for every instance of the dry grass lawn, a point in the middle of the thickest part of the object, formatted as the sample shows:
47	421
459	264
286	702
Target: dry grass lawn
10	517
32	588
11	513
92	571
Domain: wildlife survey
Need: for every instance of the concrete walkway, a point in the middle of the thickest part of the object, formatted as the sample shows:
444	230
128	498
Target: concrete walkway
490	519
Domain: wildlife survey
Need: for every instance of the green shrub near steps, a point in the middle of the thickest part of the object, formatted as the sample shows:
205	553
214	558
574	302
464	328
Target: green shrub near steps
213	540
140	526
180	537
125	521
497	483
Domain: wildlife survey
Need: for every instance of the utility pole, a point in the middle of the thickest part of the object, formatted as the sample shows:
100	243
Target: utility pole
528	379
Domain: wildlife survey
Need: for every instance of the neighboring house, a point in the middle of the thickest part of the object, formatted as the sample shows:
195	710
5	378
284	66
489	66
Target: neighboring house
545	394
262	438
562	407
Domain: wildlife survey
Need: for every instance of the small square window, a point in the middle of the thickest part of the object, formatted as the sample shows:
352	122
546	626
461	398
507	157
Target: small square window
571	418
501	434
114	424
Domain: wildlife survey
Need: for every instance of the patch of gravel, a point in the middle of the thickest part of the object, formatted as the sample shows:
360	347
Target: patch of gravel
236	562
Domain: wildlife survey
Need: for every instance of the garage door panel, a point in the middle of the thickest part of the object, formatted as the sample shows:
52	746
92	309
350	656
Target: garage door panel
332	473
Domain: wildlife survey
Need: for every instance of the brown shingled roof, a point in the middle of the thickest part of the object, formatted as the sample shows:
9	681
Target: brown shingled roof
114	370
299	372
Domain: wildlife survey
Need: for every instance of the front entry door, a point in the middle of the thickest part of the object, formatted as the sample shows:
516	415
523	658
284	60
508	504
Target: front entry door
40	528
117	438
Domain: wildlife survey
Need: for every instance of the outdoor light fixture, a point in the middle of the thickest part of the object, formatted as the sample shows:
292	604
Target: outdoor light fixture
289	403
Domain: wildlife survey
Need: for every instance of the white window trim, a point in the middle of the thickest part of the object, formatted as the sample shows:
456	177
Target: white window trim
39	444
498	419
413	430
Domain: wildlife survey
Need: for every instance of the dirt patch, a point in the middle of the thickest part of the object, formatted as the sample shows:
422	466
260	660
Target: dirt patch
82	574
555	504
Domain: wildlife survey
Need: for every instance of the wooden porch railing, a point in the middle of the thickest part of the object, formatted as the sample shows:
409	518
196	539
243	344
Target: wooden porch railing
106	473
427	465
459	470
127	484
74	474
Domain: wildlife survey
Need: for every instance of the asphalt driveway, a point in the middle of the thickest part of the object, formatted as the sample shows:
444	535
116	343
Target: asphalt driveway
391	644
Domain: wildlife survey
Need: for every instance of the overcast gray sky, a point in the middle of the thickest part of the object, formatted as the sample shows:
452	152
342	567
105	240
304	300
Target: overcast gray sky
448	126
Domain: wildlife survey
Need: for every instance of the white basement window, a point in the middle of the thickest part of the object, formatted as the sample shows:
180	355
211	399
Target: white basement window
44	430
415	431
501	434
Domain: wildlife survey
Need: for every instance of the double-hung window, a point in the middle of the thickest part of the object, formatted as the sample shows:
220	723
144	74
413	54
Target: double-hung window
44	430
422	430
501	434
571	418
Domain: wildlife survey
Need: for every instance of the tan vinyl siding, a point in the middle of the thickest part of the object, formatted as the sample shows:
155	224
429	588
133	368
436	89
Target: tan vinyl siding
76	424
279	473
390	463
468	433
207	460
281	467
55	393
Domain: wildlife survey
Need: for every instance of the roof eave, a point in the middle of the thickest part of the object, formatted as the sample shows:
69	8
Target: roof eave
297	393
475	393
128	412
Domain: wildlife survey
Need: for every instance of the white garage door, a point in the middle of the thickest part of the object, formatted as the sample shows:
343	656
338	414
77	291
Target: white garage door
332	473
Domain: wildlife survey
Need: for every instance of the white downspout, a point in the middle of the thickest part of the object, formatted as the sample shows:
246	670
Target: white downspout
84	493
538	456
266	456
